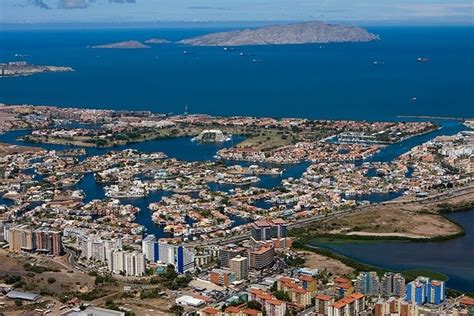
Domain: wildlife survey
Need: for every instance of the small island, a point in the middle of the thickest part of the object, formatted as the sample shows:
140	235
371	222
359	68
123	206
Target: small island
157	41
297	33
123	45
22	68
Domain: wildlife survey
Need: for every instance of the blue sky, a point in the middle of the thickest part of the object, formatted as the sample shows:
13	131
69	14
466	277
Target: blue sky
361	11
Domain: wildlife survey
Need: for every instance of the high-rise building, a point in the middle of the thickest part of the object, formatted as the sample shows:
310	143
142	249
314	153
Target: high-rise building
261	257
115	261
150	248
436	292
423	290
47	241
129	263
274	231
368	283
230	251
416	291
6	231
95	248
240	266
24	238
134	263
3	236
392	284
179	256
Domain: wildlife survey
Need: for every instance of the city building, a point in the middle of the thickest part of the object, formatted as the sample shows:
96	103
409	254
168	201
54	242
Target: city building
240	266
128	263
261	257
308	283
272	306
271	231
237	311
322	304
150	248
392	284
21	238
348	306
343	286
416	291
42	240
134	263
298	295
435	292
95	248
230	251
368	283
181	257
222	277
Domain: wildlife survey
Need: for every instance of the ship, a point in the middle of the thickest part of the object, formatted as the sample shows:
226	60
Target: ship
422	60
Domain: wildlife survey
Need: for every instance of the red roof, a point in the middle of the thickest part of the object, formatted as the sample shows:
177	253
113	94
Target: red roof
210	310
323	297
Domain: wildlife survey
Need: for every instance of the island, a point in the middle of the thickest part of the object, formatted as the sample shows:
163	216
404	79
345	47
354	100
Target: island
157	41
22	68
297	33
123	45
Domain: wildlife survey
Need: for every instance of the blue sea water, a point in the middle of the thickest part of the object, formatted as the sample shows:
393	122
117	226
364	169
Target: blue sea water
332	81
335	81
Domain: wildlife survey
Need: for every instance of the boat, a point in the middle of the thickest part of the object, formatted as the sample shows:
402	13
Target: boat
422	60
241	54
378	62
413	99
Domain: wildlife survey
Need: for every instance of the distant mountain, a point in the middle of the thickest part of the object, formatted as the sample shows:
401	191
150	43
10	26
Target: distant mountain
70	4
157	41
298	33
123	45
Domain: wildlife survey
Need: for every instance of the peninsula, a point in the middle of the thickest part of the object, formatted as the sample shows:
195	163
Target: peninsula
22	68
298	33
123	45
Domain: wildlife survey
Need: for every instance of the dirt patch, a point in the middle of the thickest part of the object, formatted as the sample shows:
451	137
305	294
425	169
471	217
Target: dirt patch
393	221
59	281
320	262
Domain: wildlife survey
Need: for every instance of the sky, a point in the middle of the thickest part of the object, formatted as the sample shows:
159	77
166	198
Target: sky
133	11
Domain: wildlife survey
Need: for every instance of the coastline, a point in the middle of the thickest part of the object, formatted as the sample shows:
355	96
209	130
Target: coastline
306	244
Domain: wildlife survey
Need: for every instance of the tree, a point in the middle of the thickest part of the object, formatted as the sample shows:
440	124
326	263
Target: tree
283	296
51	280
177	309
18	302
254	305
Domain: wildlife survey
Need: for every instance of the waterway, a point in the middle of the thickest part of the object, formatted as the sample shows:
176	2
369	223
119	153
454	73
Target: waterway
453	258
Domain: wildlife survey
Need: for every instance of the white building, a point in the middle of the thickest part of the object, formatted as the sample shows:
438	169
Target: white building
134	263
150	248
180	257
130	263
94	248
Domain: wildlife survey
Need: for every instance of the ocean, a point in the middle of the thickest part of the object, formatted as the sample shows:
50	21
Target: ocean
328	81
